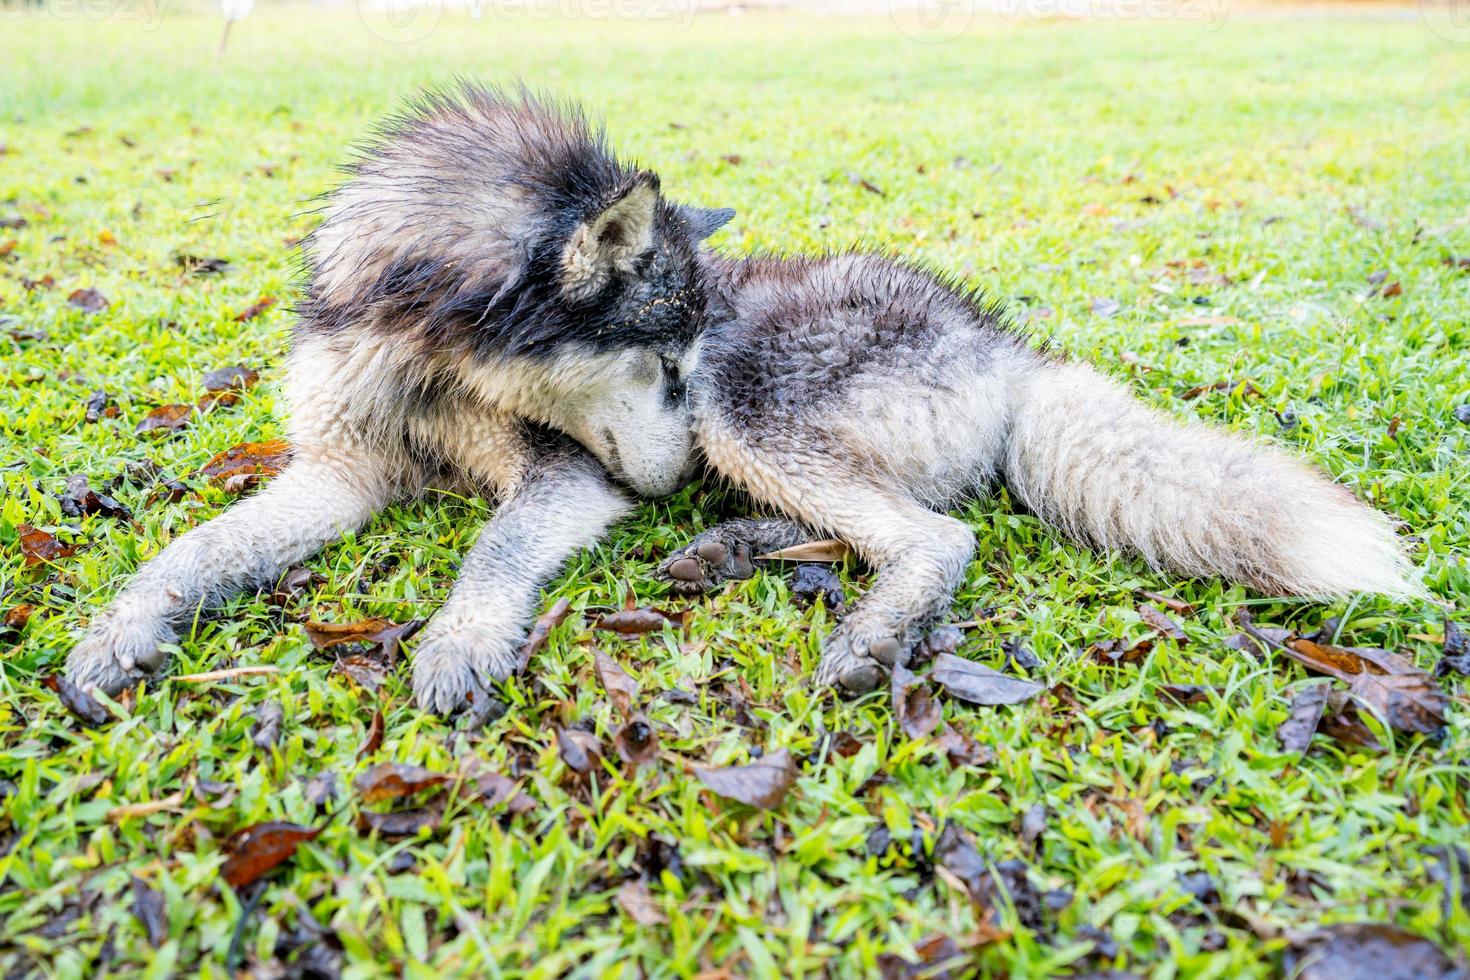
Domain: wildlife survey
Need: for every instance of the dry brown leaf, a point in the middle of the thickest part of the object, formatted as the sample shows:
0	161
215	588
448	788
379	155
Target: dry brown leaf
622	690
978	684
824	550
165	418
638	902
37	546
1389	684
763	783
541	630
257	849
241	467
393	780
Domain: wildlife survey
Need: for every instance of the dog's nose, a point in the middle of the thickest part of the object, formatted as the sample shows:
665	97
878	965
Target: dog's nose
686	570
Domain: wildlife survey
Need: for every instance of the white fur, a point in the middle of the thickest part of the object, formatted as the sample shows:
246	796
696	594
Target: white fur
1091	459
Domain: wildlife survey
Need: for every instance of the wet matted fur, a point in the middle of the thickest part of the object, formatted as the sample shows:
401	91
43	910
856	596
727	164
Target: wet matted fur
494	300
862	396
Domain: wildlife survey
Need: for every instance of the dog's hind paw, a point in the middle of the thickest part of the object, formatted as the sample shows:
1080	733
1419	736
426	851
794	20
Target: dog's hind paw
856	663
118	651
711	558
454	667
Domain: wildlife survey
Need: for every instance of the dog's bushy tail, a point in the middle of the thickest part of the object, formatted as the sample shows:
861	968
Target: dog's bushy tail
1088	457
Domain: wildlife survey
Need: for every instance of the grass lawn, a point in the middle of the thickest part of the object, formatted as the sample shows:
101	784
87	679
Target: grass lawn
1268	202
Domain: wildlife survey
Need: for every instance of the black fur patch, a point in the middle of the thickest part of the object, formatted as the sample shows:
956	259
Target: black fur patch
518	174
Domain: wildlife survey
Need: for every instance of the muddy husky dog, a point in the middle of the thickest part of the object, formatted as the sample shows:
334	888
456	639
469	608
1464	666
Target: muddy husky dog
492	298
861	397
493	301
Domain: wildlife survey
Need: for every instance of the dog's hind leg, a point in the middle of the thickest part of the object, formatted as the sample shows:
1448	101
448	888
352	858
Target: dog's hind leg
317	498
920	559
562	502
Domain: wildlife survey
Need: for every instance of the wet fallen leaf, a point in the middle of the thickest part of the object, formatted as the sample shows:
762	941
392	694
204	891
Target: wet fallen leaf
150	909
989	890
1120	651
1188	693
256	849
1162	624
1177	606
1246	388
197	266
637	740
38	546
622	690
1387	683
1033	824
165	418
946	639
865	184
87	300
962	750
400	823
637	901
1393	289
812	581
940	957
763	783
643	620
1105	306
978	684
381	636
293	583
1018	654
1342	722
541	630
493	789
255	309
825	550
374	735
578	749
1367	951
917	712
733	159
268	719
79	499
1301	724
85	708
1456	654
17	616
844	743
241	467
393	780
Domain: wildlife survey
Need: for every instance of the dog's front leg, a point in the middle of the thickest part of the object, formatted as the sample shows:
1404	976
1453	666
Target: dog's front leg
564	502
319	497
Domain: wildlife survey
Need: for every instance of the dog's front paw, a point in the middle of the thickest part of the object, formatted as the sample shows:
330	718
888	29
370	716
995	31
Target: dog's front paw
118	651
452	665
857	661
711	558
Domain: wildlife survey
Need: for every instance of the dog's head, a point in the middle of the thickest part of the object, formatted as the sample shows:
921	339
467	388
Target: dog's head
632	266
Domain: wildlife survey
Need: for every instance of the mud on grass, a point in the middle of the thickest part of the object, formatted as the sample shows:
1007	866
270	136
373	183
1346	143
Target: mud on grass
1259	227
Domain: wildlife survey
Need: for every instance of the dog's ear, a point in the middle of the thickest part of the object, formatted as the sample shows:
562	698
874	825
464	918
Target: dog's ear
610	239
704	222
